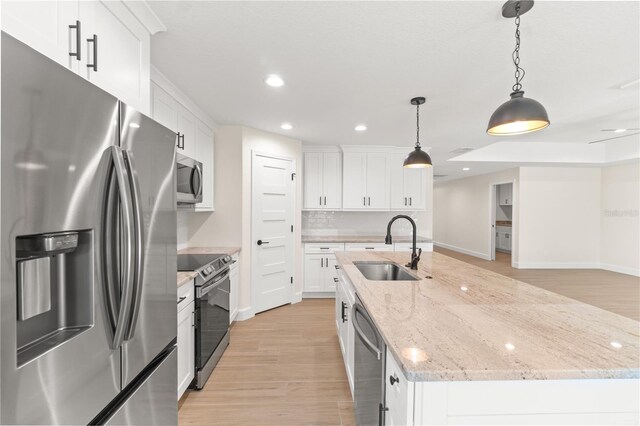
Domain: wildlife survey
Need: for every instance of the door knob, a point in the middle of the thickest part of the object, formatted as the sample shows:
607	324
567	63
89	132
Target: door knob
260	242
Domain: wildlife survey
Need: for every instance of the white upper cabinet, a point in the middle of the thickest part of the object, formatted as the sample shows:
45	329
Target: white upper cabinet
116	52
45	26
354	183
505	194
103	41
408	185
164	109
186	132
204	154
322	180
194	129
366	181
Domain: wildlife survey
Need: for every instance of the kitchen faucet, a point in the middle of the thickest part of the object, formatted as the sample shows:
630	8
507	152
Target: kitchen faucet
415	257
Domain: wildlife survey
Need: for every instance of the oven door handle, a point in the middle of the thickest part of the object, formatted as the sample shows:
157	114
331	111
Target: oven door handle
368	344
217	281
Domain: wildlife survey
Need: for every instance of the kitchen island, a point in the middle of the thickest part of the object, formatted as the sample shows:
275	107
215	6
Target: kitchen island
473	346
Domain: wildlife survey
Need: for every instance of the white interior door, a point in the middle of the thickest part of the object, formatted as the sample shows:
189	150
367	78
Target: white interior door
272	231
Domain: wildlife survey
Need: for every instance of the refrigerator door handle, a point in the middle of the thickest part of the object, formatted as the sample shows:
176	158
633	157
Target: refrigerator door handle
138	255
126	293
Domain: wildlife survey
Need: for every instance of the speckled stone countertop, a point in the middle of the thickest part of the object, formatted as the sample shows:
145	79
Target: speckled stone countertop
184	277
359	239
468	323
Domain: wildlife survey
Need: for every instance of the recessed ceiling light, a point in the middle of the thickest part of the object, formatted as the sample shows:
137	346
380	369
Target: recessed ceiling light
616	345
619	130
463	288
465	169
360	128
509	346
286	126
274	80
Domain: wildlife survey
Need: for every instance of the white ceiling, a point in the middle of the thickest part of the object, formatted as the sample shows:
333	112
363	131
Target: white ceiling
346	63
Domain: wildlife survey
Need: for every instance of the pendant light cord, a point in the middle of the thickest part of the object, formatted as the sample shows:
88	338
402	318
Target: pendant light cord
417	125
519	74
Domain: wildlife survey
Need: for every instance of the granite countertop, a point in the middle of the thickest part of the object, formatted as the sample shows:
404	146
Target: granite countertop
184	277
468	323
360	239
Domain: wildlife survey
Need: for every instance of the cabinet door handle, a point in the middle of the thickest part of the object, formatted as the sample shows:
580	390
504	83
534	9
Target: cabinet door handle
181	299
321	262
320	200
410	201
326	262
344	312
337	267
325	200
369	200
94	40
182	137
364	201
405	201
335	280
393	379
77	53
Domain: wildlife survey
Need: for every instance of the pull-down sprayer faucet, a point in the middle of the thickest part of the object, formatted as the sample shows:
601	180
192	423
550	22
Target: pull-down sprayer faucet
415	257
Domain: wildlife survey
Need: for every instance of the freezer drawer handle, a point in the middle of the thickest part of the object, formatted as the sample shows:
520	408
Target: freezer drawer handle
344	312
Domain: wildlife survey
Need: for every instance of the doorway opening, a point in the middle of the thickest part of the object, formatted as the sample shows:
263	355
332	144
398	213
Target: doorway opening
501	226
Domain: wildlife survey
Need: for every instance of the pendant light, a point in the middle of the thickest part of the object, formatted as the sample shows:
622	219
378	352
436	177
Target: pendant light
519	114
417	158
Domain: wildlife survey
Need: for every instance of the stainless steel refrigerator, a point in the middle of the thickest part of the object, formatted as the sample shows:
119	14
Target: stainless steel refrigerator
88	246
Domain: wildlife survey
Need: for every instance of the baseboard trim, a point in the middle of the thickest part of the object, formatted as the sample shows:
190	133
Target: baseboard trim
462	250
620	269
244	314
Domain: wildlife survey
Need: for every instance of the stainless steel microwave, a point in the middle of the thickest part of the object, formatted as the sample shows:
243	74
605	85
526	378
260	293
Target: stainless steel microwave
189	180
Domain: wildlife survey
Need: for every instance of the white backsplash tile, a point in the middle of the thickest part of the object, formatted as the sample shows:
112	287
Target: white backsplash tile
183	229
361	223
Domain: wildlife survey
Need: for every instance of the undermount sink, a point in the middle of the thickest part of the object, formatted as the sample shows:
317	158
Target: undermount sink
384	271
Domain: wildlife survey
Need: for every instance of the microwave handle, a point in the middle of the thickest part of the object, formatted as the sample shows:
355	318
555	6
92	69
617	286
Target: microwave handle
199	171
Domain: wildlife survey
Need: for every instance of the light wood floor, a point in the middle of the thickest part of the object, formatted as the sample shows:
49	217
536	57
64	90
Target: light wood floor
614	292
285	367
282	367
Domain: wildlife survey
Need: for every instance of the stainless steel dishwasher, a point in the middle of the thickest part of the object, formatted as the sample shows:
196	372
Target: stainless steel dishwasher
369	368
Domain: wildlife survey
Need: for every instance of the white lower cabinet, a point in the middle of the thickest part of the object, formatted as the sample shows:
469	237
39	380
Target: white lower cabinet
344	327
186	336
320	269
398	393
234	278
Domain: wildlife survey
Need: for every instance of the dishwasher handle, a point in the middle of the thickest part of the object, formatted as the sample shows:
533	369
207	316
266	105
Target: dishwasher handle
357	309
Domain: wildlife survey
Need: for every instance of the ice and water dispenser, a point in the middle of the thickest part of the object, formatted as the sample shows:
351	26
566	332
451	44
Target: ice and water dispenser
54	290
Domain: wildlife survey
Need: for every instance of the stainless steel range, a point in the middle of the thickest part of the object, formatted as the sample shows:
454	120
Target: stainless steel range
212	309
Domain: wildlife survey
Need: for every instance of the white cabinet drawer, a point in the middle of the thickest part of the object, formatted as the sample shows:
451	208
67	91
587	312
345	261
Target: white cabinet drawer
368	247
323	247
186	293
409	246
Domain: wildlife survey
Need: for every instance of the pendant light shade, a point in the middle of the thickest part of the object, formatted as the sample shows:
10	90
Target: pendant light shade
417	158
517	116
